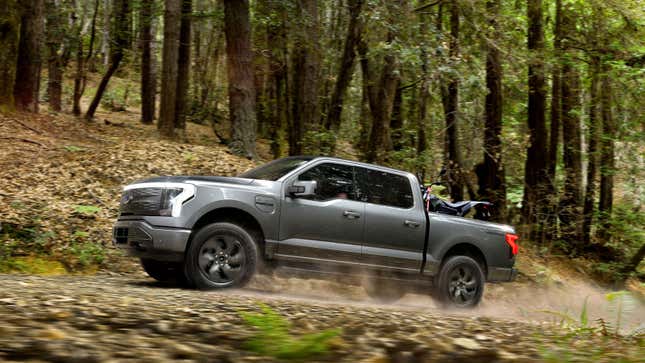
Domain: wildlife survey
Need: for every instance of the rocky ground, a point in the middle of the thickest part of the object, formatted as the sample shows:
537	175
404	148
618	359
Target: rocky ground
132	318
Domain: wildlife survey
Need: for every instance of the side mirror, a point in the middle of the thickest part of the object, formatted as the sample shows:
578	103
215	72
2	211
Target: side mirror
302	188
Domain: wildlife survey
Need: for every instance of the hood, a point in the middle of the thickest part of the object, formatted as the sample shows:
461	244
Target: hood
200	178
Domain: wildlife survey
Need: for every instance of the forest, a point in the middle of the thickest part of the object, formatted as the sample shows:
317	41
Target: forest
537	105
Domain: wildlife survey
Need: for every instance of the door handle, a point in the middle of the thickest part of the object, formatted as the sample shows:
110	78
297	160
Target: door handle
412	224
351	215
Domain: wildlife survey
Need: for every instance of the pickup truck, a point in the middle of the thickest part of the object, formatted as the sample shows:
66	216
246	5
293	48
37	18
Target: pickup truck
328	216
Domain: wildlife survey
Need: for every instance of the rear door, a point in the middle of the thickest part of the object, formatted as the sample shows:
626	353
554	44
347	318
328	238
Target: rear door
394	223
328	226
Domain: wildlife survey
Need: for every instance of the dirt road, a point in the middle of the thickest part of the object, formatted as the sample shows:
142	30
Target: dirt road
131	318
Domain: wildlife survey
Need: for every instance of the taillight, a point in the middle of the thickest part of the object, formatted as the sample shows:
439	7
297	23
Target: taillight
511	239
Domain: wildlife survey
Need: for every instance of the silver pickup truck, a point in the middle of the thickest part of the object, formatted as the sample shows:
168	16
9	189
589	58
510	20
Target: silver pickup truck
328	216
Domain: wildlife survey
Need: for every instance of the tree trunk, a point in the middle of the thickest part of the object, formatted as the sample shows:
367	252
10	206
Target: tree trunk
607	162
121	41
147	79
27	83
592	150
424	95
345	66
54	39
170	68
9	39
535	169
183	68
492	186
241	91
450	99
105	42
80	71
571	198
306	70
396	120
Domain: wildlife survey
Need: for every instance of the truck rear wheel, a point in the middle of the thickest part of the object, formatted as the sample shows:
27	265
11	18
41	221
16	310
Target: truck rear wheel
460	283
221	255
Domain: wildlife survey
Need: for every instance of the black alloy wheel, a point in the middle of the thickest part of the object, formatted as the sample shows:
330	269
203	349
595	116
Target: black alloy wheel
221	255
460	282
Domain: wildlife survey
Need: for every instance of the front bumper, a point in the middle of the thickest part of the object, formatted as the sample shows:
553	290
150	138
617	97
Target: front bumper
140	239
500	274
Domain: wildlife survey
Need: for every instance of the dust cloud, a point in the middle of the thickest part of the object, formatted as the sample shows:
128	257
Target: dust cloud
524	300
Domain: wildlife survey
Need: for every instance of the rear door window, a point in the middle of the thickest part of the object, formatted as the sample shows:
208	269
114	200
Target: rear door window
380	187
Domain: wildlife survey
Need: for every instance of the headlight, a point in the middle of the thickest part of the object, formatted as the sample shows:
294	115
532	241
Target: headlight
155	199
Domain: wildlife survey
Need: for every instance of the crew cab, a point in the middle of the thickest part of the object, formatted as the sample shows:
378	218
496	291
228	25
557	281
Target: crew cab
356	221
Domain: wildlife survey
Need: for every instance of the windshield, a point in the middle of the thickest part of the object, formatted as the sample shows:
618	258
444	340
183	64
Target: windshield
276	169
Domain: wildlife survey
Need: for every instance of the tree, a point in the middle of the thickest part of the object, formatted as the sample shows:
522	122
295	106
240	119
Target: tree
183	67
450	99
571	198
55	33
492	186
170	68
535	170
148	81
9	38
607	155
345	65
121	40
27	82
592	148
241	90
306	68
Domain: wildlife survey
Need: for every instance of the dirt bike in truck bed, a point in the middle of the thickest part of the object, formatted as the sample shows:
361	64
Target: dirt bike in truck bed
316	214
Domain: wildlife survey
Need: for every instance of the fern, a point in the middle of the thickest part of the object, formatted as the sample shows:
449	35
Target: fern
273	337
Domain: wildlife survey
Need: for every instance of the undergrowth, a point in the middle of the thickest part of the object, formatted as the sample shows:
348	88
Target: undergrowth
273	338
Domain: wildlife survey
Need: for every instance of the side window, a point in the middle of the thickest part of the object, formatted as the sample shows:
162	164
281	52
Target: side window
334	181
379	187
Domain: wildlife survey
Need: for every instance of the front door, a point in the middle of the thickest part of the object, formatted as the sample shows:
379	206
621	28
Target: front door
327	227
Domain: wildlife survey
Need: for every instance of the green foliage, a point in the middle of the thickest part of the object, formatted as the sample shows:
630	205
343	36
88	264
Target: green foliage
119	98
87	210
273	338
73	148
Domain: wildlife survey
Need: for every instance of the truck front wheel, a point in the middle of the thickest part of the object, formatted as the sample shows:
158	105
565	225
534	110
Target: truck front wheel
460	283
221	255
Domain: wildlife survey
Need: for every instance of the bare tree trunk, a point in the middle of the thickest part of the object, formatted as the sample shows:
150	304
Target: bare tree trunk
571	198
450	100
424	95
147	79
54	40
183	68
592	151
9	39
27	83
345	66
306	70
121	42
551	206
607	162
535	169
492	186
80	78
169	68
241	91
105	42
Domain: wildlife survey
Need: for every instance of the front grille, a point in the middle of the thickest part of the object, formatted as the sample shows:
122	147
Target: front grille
141	201
121	235
132	236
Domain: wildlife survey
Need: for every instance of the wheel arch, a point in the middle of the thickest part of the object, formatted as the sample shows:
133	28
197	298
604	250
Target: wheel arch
232	215
466	249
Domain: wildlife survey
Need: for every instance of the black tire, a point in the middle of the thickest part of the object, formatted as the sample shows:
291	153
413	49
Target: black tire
383	291
460	283
164	271
221	255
